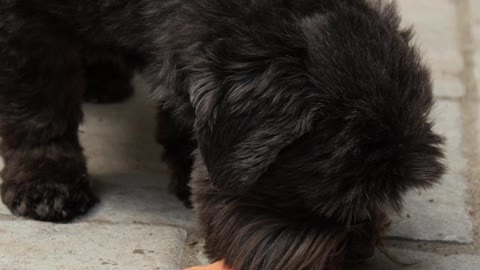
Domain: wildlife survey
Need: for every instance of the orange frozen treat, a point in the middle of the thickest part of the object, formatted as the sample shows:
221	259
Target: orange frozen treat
216	266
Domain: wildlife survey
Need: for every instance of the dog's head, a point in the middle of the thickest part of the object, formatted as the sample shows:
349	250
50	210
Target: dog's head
310	128
332	107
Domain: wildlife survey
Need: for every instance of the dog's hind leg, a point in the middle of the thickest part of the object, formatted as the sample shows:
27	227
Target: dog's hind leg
109	74
42	82
178	144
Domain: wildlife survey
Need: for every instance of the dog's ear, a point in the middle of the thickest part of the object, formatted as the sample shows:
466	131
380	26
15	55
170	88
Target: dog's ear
240	134
238	149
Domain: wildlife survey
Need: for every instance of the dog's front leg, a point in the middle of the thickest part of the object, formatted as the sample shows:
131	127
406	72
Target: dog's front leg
41	88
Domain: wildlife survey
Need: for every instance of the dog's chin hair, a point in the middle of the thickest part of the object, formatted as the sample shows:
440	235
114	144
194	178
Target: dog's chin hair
250	236
276	243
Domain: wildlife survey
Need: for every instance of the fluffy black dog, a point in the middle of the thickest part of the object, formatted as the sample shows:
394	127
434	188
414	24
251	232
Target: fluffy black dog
305	121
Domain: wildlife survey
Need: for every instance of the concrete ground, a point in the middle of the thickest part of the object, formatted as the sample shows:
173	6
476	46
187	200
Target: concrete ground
139	225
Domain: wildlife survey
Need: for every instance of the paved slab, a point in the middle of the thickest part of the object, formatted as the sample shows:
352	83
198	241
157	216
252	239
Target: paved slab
437	37
436	31
475	7
475	4
125	162
105	156
447	85
31	245
477	67
441	214
120	137
447	116
140	204
422	261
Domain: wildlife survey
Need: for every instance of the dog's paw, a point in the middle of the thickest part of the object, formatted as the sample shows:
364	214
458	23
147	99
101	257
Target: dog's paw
46	201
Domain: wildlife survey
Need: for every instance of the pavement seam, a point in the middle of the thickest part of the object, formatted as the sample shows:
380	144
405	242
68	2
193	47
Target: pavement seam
469	111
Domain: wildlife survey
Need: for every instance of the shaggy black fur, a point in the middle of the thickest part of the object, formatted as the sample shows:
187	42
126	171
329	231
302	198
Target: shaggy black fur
310	118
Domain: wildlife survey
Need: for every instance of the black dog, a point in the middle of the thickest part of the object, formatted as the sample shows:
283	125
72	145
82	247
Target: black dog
304	121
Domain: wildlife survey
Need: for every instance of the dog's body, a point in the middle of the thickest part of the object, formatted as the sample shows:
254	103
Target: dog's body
308	119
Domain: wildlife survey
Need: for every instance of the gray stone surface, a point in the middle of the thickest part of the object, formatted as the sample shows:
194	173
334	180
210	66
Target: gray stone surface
422	261
447	85
475	29
447	116
140	204
441	213
437	37
120	137
125	164
31	245
475	4
477	66
437	32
